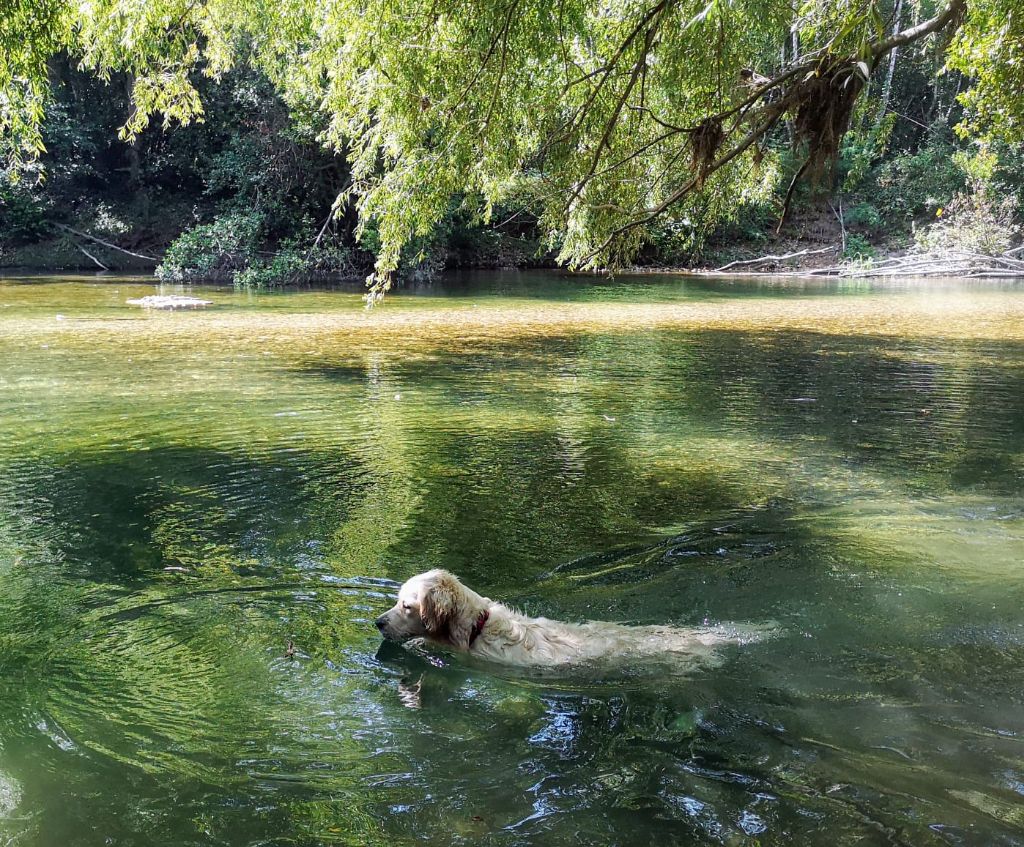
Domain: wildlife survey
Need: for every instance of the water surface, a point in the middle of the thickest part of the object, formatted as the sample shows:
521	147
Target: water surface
182	495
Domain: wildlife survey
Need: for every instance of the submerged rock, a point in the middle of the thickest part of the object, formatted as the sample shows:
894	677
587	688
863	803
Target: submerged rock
170	301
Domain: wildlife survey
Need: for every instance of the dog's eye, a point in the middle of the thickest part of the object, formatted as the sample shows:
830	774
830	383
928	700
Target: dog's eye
406	606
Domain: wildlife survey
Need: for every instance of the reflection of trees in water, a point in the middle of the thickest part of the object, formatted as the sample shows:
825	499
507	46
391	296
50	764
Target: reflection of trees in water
949	413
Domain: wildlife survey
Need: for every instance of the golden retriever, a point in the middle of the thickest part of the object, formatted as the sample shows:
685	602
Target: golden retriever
436	607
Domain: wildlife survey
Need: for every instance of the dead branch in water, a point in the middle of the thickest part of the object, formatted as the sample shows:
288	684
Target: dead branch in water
962	263
99	264
81	234
940	263
762	260
943	263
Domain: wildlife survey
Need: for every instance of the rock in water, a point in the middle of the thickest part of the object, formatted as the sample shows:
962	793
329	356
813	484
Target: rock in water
170	301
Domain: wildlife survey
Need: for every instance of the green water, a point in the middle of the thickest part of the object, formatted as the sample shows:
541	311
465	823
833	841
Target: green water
183	494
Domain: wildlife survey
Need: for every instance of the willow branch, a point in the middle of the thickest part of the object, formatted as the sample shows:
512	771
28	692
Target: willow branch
504	62
482	67
612	121
751	137
612	63
939	22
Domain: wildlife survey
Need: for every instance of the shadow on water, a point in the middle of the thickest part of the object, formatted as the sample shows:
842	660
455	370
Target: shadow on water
148	599
808	739
927	412
127	514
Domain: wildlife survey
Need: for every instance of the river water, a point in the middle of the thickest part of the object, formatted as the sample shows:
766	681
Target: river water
182	495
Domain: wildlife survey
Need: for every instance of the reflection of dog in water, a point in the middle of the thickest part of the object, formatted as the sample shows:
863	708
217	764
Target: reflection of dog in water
436	607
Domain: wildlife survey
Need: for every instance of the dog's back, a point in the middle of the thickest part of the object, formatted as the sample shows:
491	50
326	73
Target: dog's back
512	638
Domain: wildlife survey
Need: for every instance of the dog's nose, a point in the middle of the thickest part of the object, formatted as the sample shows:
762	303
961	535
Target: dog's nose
381	623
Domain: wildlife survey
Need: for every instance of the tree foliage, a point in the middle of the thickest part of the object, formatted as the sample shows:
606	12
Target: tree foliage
598	117
989	48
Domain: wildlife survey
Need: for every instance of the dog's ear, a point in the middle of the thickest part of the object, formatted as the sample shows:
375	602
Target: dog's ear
439	605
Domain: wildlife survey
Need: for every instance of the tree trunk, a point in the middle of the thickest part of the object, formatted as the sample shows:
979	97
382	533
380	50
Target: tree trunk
887	87
140	197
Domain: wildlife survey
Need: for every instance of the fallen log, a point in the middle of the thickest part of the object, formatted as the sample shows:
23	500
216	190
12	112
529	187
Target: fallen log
961	263
761	260
98	263
81	234
965	263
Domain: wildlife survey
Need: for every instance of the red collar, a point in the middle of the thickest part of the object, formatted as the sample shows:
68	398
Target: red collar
478	627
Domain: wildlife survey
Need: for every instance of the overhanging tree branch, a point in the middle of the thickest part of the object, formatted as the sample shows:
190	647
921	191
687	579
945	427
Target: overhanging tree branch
954	10
820	89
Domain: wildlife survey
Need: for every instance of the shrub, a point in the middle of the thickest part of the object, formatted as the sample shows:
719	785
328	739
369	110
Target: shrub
865	215
861	148
858	248
294	262
228	248
981	220
214	251
916	183
973	223
22	213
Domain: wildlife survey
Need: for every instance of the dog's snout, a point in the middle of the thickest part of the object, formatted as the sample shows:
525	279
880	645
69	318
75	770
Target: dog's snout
381	623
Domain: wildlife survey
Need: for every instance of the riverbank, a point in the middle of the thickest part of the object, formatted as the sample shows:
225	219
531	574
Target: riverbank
815	240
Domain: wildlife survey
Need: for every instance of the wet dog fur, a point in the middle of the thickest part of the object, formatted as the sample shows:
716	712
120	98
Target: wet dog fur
436	607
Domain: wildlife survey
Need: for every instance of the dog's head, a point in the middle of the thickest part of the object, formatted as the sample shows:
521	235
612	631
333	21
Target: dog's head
433	605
